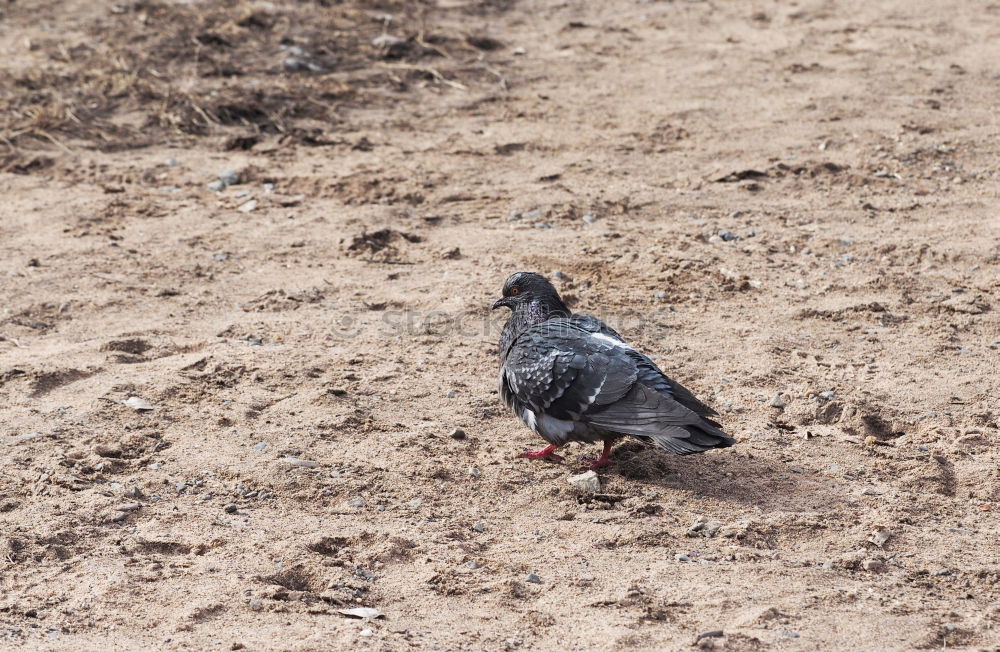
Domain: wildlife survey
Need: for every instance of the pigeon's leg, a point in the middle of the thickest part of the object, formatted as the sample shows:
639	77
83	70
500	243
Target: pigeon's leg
605	458
547	453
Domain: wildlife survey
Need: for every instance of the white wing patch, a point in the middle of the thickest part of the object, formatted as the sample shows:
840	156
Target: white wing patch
612	341
593	397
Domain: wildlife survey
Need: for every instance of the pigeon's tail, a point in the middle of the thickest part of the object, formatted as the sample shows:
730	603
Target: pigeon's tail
688	439
649	414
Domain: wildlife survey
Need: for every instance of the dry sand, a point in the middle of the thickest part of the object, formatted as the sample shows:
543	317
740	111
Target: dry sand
795	197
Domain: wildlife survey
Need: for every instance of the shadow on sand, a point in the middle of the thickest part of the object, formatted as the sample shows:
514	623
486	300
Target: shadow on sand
767	484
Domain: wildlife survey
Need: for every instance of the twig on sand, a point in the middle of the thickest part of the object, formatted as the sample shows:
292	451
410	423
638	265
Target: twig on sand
56	141
430	71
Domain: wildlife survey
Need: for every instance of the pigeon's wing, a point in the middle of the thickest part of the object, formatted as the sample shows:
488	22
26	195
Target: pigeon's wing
567	383
649	374
555	372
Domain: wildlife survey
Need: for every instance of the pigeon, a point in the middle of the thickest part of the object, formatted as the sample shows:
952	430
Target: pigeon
571	377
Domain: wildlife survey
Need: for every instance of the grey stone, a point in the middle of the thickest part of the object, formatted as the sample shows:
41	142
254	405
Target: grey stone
534	579
588	482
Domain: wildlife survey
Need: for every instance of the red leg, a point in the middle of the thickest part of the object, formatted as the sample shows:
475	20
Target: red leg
605	458
547	453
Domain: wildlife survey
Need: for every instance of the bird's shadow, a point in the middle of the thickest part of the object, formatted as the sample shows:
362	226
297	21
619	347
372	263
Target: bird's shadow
730	476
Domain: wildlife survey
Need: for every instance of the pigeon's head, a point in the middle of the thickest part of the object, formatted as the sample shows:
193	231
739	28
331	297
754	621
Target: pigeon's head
526	288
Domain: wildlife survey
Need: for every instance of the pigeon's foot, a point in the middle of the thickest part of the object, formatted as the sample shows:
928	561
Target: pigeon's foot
602	461
599	463
547	453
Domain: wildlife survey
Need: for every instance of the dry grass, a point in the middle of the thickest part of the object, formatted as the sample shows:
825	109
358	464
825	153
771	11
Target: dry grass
149	72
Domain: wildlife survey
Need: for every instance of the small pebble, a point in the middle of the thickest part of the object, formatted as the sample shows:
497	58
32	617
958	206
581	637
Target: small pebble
294	461
416	503
880	537
216	186
778	401
473	472
715	633
138	404
230	508
588	482
458	433
728	236
259	446
478	528
229	177
473	564
589	218
534	579
871	565
682	558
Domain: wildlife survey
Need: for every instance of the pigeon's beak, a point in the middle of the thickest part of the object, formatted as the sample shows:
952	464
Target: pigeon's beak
499	303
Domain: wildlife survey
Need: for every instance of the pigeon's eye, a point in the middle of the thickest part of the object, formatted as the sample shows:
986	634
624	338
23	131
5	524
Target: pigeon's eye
515	291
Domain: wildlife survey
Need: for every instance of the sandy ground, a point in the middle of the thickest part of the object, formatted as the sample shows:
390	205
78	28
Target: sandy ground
795	197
